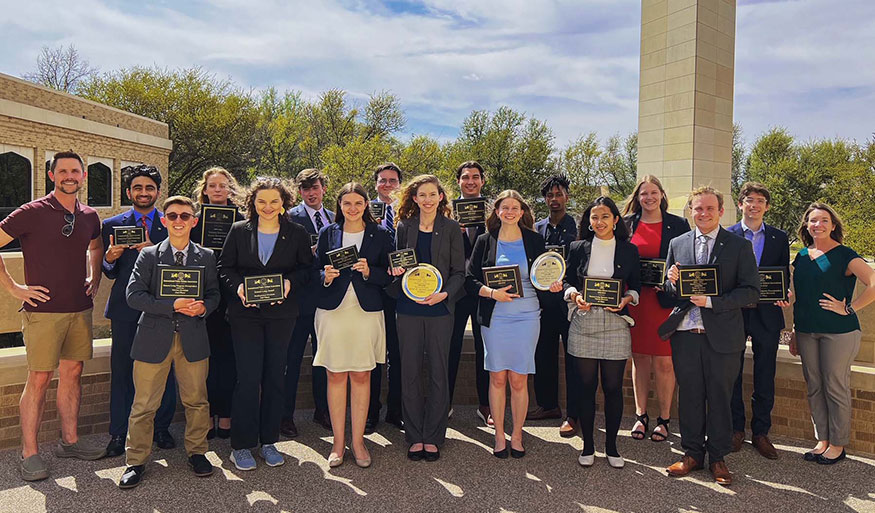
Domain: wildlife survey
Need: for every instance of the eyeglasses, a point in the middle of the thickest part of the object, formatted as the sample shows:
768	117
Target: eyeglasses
387	181
67	229
173	216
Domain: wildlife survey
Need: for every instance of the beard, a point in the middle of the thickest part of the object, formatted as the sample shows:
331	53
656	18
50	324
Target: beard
69	188
145	203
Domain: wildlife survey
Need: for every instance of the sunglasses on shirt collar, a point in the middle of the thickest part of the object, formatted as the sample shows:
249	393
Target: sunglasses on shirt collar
67	229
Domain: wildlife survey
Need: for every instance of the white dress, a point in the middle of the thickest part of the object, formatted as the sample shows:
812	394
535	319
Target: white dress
350	339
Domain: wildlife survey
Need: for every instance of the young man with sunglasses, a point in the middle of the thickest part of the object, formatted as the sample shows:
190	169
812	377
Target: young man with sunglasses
142	186
57	234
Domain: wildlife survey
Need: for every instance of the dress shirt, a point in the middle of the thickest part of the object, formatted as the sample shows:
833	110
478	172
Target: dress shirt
696	323
322	213
150	219
756	238
185	252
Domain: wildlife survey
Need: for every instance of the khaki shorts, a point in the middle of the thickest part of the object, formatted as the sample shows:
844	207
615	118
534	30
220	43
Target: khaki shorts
50	337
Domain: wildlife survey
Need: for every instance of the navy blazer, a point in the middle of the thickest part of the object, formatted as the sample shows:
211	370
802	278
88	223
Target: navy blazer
484	256
117	308
567	230
291	257
627	266
307	298
767	317
376	246
158	320
672	226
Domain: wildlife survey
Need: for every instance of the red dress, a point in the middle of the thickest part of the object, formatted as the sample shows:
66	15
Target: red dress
648	314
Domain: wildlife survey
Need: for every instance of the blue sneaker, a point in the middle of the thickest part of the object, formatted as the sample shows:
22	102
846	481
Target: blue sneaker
242	459
271	456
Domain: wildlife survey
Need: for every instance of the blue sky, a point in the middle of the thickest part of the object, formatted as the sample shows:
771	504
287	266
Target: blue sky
803	64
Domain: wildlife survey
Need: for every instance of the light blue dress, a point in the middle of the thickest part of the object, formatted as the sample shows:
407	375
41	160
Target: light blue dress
512	336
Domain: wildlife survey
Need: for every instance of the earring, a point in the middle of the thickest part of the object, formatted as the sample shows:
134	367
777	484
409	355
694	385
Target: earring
615	227
590	228
282	210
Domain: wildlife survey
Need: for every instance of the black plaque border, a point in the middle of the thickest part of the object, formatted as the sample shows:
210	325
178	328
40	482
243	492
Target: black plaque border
272	275
620	290
699	267
373	204
203	226
785	282
338	250
197	269
503	268
659	260
397	252
470	200
116	229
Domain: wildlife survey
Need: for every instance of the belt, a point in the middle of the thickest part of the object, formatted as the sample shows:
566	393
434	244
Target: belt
697	331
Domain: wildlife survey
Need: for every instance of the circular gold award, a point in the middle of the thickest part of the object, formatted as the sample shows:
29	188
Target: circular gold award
421	281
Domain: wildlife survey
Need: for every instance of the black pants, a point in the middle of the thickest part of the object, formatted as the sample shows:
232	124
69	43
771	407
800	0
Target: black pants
222	376
705	380
303	331
393	368
588	371
554	325
465	308
765	351
261	346
121	392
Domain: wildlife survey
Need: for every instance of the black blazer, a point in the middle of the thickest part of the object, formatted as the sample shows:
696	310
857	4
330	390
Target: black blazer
375	248
291	257
724	324
672	226
158	320
447	254
767	317
484	256
626	266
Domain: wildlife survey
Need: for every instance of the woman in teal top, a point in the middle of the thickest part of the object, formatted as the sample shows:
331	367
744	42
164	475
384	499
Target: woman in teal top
826	331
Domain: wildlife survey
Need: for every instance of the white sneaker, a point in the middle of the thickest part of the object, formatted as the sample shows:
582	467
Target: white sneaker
586	460
616	461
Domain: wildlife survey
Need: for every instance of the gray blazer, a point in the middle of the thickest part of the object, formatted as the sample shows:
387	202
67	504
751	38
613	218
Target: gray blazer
740	281
447	254
158	320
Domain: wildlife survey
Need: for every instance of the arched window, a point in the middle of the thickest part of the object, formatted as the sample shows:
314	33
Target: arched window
50	185
99	185
15	190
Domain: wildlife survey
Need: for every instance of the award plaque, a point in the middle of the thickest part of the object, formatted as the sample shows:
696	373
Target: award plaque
774	283
378	209
266	288
313	239
342	258
501	276
403	258
558	248
216	222
546	269
603	291
176	281
699	280
421	281
652	271
128	235
471	211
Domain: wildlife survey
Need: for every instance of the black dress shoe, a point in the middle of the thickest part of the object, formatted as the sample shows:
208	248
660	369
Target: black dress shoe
287	428
211	434
200	465
395	419
116	446
502	454
823	460
223	433
323	419
164	440
132	476
432	456
371	425
517	454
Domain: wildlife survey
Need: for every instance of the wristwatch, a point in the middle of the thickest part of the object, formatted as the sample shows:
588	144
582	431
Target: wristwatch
849	310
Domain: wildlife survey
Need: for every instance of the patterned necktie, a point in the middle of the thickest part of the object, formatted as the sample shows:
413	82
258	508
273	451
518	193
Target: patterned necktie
178	257
145	226
319	223
701	258
389	222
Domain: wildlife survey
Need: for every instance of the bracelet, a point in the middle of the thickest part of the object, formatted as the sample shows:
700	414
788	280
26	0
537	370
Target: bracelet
490	293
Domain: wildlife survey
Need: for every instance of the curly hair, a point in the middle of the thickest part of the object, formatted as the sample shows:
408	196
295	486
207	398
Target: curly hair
353	188
408	208
199	193
526	221
263	183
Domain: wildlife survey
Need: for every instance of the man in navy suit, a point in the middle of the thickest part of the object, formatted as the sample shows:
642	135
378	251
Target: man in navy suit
313	216
471	177
763	322
142	186
558	229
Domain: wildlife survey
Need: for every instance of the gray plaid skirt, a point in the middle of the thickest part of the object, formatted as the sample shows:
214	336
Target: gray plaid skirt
599	334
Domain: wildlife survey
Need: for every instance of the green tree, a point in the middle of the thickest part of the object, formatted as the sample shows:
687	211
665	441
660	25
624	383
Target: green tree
281	132
774	162
618	165
738	160
579	161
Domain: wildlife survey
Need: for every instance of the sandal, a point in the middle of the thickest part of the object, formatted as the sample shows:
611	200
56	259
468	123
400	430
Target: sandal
656	436
643	419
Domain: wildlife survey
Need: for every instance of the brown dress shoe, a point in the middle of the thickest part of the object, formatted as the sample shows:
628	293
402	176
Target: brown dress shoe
721	473
568	428
684	467
540	413
737	440
764	446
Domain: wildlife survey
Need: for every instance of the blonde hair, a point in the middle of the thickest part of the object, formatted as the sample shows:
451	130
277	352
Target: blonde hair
705	189
199	193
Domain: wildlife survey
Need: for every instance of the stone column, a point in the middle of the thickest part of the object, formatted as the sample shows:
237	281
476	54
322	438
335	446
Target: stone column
685	98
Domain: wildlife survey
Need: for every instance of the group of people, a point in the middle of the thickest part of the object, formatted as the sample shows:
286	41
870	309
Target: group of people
236	366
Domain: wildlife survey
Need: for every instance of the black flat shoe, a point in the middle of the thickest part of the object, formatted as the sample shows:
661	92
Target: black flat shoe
416	455
223	433
132	477
823	460
115	447
517	454
811	456
164	440
211	434
200	465
432	456
502	454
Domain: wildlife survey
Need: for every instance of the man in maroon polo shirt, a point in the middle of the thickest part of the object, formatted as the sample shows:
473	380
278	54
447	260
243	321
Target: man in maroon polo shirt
55	232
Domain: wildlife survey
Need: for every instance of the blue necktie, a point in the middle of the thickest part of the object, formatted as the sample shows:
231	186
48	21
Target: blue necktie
701	259
319	223
389	222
